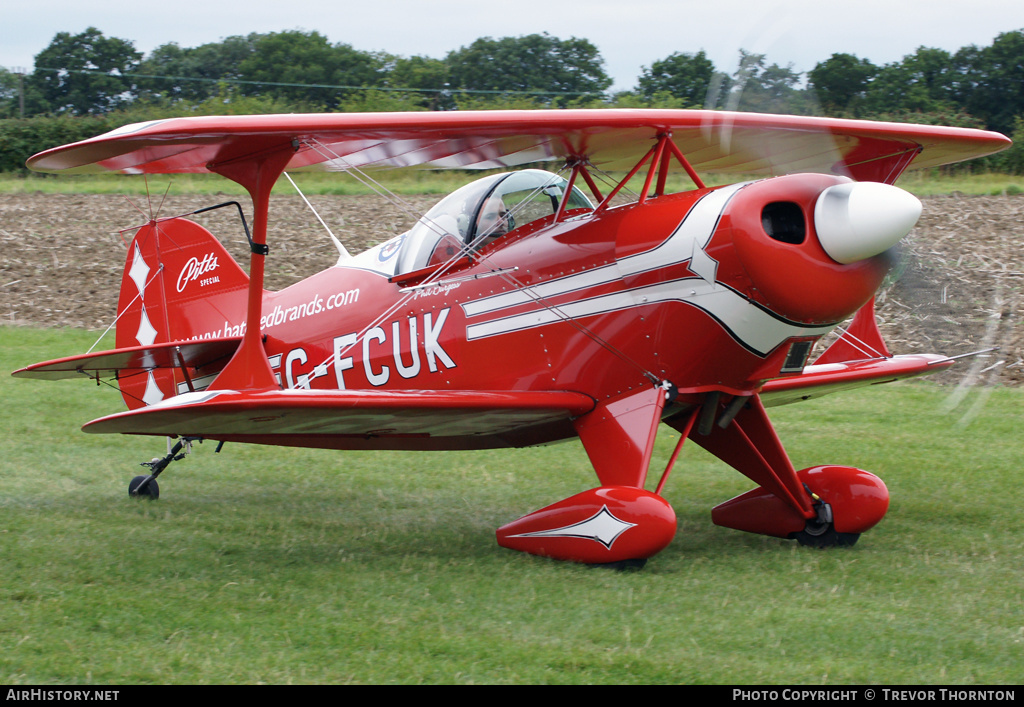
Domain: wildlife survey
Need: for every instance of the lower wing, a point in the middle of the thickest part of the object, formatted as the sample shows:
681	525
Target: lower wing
822	379
360	419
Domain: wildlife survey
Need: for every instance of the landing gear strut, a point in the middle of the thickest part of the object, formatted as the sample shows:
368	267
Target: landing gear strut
145	486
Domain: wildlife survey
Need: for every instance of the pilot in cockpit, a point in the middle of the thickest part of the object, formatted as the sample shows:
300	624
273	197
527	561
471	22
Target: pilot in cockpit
477	214
492	222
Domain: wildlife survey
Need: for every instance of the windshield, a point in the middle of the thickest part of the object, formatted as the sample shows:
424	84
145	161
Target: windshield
483	211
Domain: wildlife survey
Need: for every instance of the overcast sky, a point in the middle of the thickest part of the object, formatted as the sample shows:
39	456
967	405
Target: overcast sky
630	34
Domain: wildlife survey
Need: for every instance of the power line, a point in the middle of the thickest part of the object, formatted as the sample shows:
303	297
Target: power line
341	87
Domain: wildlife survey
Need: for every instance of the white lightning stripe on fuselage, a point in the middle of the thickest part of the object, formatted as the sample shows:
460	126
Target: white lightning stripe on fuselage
755	327
695	230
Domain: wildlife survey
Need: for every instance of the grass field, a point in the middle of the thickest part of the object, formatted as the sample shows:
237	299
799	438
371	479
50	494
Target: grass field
921	183
293	566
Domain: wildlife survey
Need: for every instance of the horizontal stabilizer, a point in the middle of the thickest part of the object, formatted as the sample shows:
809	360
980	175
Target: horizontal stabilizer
353	419
134	359
822	379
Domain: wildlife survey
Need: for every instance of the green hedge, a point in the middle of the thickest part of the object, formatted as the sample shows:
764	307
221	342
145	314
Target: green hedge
22	138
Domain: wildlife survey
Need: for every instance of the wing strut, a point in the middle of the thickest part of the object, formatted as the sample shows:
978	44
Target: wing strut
249	368
660	156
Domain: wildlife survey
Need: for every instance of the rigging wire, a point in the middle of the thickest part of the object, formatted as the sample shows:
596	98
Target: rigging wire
342	250
468	249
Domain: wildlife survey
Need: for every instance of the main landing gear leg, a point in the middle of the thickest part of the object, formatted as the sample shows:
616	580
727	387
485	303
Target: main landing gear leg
618	524
145	486
823	506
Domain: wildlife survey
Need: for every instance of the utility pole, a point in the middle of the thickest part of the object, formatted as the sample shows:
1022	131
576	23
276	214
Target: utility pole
20	71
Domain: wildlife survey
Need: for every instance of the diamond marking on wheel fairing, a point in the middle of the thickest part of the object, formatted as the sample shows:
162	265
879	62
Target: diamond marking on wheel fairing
602	527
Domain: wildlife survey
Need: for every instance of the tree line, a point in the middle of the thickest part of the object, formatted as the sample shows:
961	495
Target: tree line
107	79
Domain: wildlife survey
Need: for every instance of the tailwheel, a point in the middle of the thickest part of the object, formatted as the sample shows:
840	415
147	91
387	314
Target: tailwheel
144	487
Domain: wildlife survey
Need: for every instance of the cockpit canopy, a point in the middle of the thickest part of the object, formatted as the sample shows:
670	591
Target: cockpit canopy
482	211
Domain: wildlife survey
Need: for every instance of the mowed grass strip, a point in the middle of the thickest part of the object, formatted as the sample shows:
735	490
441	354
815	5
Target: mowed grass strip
273	565
413	181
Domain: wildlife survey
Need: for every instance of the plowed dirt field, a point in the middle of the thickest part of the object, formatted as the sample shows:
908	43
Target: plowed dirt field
961	287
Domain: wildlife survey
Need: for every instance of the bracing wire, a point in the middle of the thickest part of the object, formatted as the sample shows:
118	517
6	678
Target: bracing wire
342	250
467	249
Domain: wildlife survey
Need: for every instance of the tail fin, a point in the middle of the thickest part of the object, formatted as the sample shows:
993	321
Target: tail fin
179	284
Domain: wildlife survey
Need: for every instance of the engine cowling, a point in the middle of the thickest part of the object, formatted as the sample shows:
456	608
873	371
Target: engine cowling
814	248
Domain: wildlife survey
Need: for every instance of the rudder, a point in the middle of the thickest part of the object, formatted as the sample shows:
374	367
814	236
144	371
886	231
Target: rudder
179	284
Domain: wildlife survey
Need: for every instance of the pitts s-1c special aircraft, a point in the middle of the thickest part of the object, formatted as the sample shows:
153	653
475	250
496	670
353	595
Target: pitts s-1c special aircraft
526	308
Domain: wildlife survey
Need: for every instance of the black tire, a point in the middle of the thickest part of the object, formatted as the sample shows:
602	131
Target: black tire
621	565
151	491
825	536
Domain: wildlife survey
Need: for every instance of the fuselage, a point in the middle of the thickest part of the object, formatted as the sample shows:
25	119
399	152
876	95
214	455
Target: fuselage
598	303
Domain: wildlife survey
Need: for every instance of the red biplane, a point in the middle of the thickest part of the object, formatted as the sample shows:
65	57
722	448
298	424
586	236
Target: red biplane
529	307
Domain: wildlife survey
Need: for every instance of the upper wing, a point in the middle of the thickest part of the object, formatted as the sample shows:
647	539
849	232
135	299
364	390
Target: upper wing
713	141
358	419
